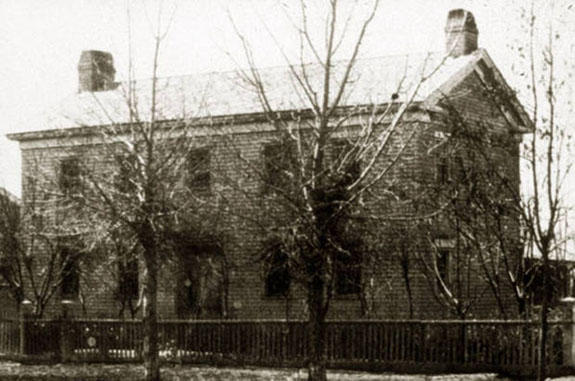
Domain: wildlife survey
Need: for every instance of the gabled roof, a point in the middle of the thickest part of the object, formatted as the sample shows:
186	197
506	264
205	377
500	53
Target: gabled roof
218	94
9	196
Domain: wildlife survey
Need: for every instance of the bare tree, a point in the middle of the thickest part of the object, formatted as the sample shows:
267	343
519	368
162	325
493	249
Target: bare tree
35	239
538	207
141	183
325	167
545	152
152	205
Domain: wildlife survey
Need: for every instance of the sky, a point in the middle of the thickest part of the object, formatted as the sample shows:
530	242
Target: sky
41	42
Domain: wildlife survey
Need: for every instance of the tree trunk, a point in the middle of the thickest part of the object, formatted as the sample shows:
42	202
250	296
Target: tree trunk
316	324
541	355
151	358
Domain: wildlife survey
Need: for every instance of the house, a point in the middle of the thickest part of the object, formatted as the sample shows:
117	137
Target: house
223	112
9	223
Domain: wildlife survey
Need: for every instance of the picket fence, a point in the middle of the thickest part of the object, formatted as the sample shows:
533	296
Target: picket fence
501	346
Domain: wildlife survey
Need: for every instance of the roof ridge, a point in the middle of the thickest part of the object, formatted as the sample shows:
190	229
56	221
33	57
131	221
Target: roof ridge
273	67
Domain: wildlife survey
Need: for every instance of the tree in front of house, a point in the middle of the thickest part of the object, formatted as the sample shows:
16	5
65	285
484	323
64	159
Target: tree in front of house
136	196
42	253
324	173
153	207
477	180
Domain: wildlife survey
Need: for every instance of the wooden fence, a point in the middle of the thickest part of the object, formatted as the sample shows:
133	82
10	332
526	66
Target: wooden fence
9	337
500	346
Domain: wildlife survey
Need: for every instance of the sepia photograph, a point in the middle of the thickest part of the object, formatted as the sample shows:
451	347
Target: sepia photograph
287	190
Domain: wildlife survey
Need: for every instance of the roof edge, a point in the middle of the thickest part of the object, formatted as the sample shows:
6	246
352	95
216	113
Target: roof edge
473	66
223	120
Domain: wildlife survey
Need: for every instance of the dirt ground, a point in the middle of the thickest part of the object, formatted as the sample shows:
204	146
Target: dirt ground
16	371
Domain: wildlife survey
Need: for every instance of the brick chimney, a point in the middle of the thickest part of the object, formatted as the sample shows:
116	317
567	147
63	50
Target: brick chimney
96	71
460	33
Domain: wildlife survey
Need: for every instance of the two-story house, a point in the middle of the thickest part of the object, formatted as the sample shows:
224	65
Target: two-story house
232	140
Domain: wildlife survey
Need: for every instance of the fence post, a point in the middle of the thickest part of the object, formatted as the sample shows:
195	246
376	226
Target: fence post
65	329
22	326
569	332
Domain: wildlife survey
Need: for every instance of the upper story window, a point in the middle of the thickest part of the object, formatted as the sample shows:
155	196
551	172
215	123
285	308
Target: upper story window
278	166
199	175
70	180
346	161
442	172
126	173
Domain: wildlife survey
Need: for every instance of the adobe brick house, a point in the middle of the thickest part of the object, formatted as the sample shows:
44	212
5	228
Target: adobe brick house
222	110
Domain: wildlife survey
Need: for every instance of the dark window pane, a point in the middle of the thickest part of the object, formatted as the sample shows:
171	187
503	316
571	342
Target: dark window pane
278	167
126	174
70	273
4	275
442	171
199	168
70	180
128	282
348	273
443	264
277	273
346	161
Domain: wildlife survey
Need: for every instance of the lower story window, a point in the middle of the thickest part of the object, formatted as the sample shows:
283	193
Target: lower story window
277	280
70	273
348	273
128	278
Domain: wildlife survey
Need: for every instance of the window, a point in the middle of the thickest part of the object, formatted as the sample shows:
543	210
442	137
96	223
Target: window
128	278
4	276
70	176
442	262
199	169
344	156
278	166
126	173
277	281
70	273
442	170
348	273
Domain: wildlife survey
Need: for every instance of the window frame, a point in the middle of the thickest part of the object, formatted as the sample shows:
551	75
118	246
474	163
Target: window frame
277	276
443	254
278	160
442	170
70	272
70	175
126	170
198	168
340	147
129	278
346	282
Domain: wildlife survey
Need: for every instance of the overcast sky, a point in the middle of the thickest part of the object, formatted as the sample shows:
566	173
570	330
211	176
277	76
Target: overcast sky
41	42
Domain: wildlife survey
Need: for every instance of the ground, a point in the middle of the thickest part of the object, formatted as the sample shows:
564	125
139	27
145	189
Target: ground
16	371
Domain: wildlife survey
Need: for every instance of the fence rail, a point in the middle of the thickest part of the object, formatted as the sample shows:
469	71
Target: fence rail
495	345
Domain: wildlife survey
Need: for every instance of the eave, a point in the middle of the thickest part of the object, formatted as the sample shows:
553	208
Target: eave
215	121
